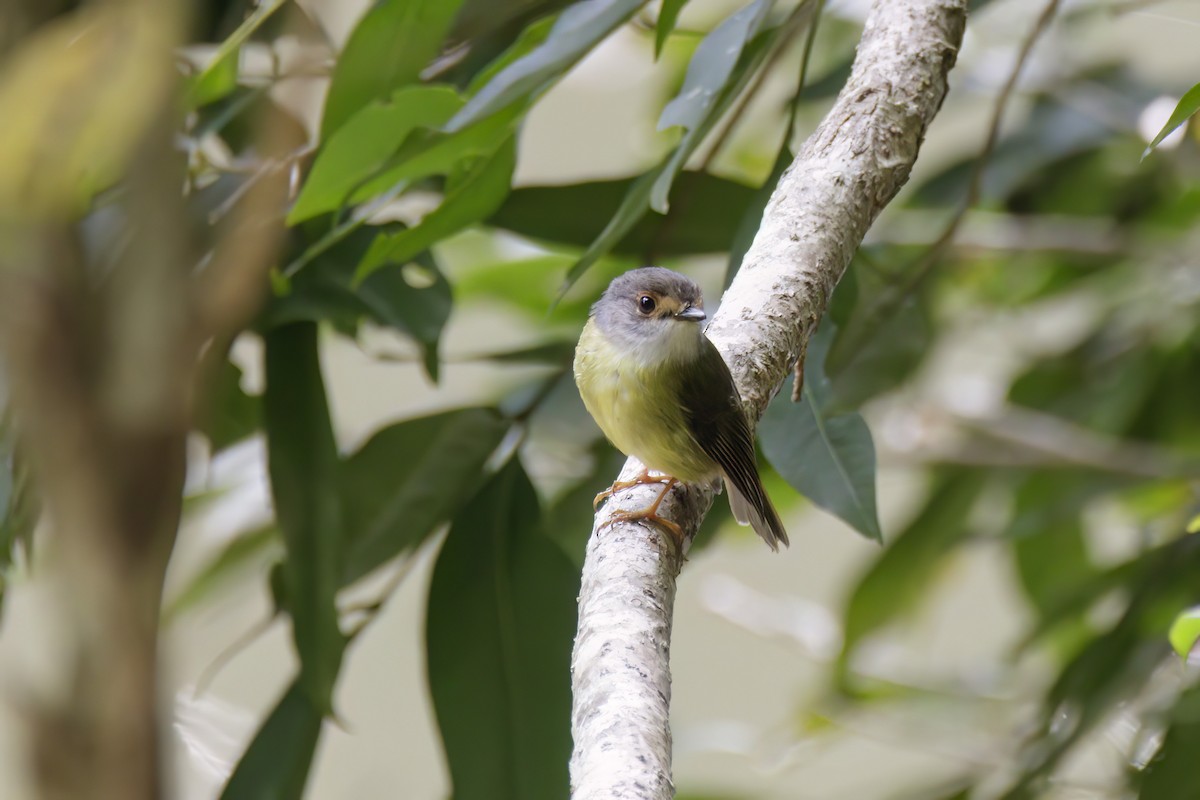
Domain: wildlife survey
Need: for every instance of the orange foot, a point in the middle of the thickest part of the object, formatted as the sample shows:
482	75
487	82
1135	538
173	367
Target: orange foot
650	513
643	478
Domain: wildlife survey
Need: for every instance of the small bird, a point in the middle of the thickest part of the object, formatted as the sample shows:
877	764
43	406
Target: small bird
660	391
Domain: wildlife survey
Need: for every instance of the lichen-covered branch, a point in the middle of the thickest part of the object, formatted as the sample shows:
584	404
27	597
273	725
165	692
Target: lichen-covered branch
852	165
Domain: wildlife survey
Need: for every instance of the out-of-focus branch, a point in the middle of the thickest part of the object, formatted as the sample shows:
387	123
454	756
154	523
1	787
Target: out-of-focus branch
100	335
848	170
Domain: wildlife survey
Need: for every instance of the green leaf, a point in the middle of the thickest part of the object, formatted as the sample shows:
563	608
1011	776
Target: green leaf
467	200
712	65
228	414
1185	632
632	209
242	551
704	115
220	76
1186	108
1116	666
275	765
666	23
578	29
828	457
389	47
303	465
414	298
575	215
410	477
903	573
751	218
361	148
499	628
1171	774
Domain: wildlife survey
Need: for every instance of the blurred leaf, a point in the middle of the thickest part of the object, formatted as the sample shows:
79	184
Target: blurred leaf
751	218
752	55
500	624
1185	632
1116	664
632	208
578	29
570	517
107	69
1186	108
1171	774
361	148
901	335
896	580
19	503
827	457
413	298
410	477
241	551
228	415
303	465
389	47
712	65
471	198
219	78
667	14
531	36
575	215
276	763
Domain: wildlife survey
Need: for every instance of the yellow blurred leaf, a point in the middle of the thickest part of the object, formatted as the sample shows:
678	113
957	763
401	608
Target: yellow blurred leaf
76	98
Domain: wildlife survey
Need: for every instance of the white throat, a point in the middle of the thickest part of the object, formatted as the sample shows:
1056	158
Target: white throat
676	341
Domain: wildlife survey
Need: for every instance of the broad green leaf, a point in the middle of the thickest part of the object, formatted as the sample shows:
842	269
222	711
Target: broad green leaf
1171	774
244	550
900	576
828	457
361	148
578	29
751	218
712	66
275	765
410	477
501	619
303	466
468	200
666	23
389	47
1188	105
575	215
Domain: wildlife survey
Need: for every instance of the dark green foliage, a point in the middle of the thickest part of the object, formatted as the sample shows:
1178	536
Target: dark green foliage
276	765
500	624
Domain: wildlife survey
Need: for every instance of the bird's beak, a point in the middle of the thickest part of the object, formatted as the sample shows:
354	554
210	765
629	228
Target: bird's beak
692	314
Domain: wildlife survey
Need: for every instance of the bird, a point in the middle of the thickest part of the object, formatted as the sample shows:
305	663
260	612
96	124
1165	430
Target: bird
660	391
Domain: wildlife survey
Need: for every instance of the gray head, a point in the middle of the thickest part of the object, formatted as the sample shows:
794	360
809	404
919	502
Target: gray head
652	312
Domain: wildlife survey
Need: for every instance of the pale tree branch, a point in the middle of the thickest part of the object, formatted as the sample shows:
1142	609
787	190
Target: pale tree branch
852	165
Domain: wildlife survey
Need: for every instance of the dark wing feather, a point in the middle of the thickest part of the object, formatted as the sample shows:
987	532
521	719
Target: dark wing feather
713	409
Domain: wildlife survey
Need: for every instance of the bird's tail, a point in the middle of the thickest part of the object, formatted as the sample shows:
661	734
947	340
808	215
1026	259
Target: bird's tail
754	508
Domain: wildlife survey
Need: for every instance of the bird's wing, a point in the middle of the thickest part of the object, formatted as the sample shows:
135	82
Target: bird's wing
714	413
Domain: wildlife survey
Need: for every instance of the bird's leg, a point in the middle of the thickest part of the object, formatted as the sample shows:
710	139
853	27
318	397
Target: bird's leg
643	477
650	514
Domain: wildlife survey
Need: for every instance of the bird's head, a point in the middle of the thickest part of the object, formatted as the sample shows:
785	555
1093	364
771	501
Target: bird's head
652	314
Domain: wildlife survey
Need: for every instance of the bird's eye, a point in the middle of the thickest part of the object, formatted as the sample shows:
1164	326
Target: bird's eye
646	304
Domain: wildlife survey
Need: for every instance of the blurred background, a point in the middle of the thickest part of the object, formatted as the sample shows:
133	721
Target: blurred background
1019	333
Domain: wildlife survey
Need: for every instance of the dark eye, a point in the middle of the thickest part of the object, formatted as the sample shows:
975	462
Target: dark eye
646	304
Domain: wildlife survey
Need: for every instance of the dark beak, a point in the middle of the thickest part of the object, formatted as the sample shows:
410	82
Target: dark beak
692	314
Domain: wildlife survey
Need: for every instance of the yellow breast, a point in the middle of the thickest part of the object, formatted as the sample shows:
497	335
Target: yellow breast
637	408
